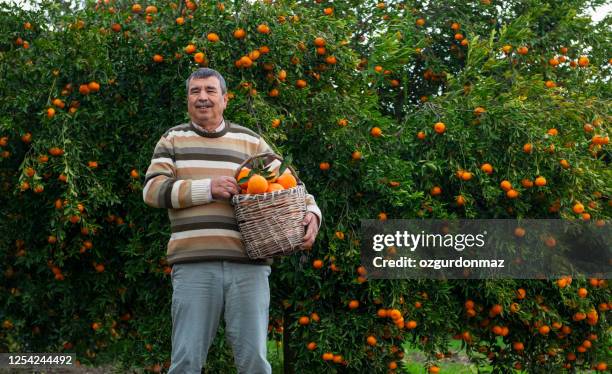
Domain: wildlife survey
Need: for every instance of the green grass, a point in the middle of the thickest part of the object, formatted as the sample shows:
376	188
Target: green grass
275	356
414	361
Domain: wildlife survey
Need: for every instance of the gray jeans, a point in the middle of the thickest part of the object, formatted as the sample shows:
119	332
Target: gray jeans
201	292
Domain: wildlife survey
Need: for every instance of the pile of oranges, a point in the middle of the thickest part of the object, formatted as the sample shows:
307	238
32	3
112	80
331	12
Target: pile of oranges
257	184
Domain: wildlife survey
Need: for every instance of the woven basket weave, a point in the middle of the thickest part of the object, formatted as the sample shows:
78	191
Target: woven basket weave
271	223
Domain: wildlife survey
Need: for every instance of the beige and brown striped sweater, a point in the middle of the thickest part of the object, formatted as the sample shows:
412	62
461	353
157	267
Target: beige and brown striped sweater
178	179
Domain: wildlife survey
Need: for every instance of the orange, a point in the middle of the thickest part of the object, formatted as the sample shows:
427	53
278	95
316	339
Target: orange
466	175
460	200
564	164
353	304
433	369
158	58
300	83
30	172
93	86
439	127
421	135
394	314
486	168
136	8
505	185
304	320
275	187
376	132
327	356
212	37
342	122
190	49
455	26
522	50
83	89
371	340
328	11
199	57
319	42
479	110
263	29
239	34
518	346
512	194
507	49
583	61
324	166
540	181
180	21
411	325
356	155
151	9
287	181
420	22
50	113
495	310
527	148
317	264
578	208
311	346
602	366
582	293
544	330
435	191
257	184
254	55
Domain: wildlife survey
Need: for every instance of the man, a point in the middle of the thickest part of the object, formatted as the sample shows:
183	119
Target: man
192	175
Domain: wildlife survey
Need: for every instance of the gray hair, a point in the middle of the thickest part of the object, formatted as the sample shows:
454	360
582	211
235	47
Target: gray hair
205	73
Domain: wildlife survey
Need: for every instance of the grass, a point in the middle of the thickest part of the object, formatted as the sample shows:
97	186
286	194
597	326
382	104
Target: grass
414	361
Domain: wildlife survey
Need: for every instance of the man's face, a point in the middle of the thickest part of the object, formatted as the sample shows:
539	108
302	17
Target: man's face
205	102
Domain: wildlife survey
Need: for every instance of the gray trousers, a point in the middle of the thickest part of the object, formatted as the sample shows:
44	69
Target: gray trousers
202	291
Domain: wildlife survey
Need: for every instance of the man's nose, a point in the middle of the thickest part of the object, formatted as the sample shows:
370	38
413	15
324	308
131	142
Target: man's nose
203	96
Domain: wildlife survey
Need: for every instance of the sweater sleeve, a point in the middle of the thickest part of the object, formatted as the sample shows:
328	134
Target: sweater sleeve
274	165
162	188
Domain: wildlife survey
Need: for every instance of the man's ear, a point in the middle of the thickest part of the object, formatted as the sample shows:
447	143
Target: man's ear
225	100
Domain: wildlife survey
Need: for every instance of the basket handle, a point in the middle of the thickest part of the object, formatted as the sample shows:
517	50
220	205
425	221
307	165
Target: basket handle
266	154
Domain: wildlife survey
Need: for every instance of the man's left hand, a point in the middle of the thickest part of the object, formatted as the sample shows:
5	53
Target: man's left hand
311	221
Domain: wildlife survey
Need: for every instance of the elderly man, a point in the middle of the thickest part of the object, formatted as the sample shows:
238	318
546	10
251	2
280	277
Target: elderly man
192	175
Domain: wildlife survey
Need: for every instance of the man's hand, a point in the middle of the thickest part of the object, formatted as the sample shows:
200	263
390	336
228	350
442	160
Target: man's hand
224	187
311	221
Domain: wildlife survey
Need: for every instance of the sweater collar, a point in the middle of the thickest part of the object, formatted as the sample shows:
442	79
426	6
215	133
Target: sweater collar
218	132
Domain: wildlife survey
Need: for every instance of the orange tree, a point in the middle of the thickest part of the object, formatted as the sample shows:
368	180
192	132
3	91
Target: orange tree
389	110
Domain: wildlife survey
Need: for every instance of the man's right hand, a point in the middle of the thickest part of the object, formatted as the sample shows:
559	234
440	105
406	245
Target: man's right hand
224	187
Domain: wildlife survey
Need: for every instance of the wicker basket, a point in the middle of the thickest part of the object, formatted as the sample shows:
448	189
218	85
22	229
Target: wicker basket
271	223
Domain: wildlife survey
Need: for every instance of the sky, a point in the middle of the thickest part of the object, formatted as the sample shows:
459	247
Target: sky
596	15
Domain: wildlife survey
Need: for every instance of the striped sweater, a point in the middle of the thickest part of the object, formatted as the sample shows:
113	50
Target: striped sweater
178	179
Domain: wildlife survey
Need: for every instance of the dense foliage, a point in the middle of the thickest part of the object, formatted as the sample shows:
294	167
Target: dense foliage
398	109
